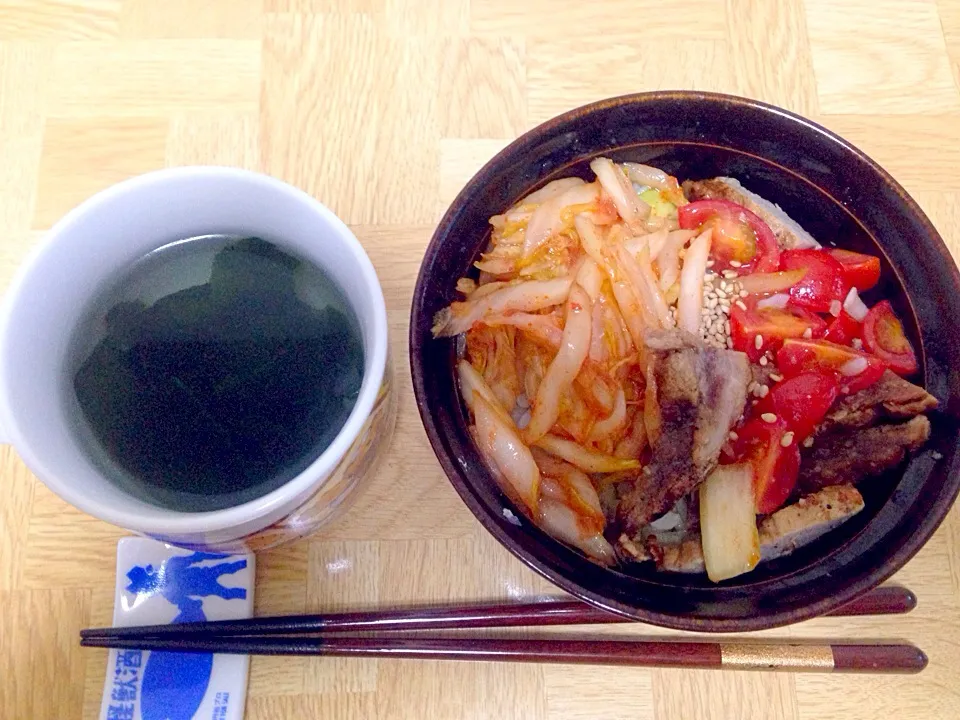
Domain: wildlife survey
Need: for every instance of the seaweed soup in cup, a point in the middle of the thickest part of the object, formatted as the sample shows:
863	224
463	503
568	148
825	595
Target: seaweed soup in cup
213	371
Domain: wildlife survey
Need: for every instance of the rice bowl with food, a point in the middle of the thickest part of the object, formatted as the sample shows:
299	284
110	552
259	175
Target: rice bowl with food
678	373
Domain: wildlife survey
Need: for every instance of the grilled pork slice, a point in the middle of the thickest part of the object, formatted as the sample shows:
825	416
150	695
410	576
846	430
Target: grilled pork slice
891	398
850	456
780	533
810	517
694	396
789	234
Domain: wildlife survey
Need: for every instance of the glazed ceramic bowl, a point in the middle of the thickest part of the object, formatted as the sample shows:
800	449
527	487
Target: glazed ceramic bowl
840	196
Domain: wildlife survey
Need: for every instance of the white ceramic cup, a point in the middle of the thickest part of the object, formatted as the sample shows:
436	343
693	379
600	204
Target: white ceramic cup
86	252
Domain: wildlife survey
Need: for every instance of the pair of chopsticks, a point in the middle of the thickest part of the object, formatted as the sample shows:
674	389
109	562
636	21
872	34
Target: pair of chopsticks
322	635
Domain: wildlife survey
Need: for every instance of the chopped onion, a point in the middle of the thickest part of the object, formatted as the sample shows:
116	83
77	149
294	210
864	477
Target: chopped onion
550	190
656	241
691	283
853	367
778	301
668	259
598	344
587	460
835	307
610	424
546	328
590	278
644	175
854	306
563	369
590	238
547	220
502	448
634	316
526	296
632	209
640	274
472	382
563	523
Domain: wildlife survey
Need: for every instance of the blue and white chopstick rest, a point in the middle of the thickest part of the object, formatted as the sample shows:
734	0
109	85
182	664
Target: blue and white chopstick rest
159	584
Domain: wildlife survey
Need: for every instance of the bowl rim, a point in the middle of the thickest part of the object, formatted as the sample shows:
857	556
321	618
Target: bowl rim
779	617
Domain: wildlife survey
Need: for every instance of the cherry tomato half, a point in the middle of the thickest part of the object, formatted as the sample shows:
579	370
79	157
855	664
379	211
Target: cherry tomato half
859	270
798	355
775	466
773	325
843	329
883	336
801	401
738	235
822	285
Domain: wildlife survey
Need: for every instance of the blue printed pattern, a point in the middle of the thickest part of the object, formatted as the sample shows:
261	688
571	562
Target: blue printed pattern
123	693
173	684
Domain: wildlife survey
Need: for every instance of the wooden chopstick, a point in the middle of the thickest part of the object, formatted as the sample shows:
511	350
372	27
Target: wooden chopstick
850	658
884	600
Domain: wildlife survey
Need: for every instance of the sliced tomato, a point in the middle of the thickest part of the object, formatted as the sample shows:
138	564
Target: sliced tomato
772	325
859	270
799	355
883	336
775	464
801	401
738	235
844	329
770	283
823	283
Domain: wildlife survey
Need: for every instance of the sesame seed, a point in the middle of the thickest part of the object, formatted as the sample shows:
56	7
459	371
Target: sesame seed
744	293
741	304
729	274
723	284
733	436
764	391
768	417
736	263
721	293
775	377
808	442
808	333
763	360
758	342
787	439
710	263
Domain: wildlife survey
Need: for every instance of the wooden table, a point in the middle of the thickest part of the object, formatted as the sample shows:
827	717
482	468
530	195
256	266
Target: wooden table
382	109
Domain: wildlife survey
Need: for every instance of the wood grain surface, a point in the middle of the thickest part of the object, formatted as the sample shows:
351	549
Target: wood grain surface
382	109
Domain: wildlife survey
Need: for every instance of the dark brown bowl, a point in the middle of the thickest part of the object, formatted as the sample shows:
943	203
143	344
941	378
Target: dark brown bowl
839	195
